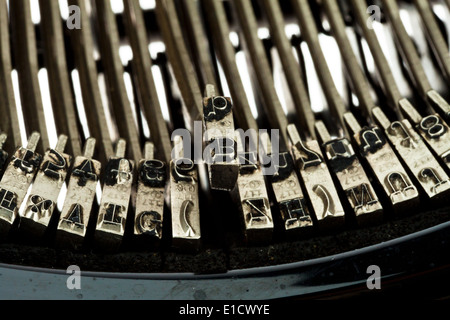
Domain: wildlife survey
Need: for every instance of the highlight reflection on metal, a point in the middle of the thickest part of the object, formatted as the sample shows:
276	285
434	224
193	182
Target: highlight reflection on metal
220	144
78	204
16	180
115	199
318	182
184	193
152	178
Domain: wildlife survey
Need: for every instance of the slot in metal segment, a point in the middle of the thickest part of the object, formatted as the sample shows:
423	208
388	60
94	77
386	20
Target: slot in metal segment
256	53
357	79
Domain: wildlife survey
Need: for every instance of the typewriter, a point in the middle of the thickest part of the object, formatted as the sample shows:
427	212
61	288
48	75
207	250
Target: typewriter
224	149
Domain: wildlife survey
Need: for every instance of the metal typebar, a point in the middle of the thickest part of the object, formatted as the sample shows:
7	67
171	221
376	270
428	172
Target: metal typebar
79	201
357	79
284	181
142	66
199	46
225	51
433	129
310	33
82	44
388	82
150	195
412	59
219	140
42	201
184	177
261	68
386	167
180	60
16	181
342	159
109	48
250	192
222	174
184	203
291	67
352	177
218	116
9	121
64	111
426	170
409	145
115	201
435	36
24	45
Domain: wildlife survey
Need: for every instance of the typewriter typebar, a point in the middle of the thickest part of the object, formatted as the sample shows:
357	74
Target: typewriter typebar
184	185
79	201
16	180
232	143
45	190
219	135
151	190
113	211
